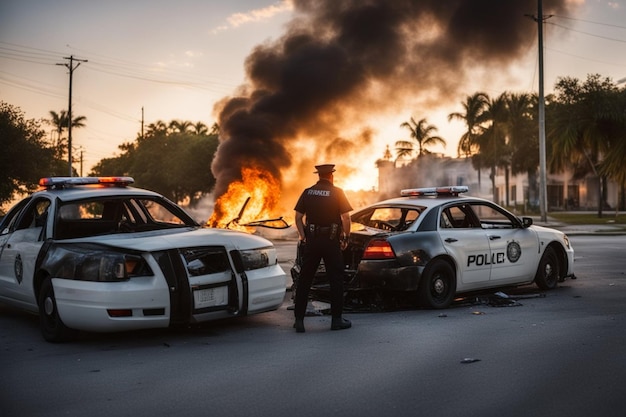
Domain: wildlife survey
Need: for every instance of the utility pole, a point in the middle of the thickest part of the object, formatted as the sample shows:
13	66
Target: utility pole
543	188
71	67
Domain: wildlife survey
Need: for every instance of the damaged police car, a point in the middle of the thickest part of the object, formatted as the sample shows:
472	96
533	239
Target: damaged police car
94	254
431	244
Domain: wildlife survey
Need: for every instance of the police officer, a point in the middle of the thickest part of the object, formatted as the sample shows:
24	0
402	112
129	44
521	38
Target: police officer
325	234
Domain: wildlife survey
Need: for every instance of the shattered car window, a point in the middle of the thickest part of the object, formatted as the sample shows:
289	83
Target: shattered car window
388	218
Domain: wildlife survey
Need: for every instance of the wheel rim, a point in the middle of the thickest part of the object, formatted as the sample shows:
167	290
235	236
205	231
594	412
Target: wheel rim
439	286
548	270
48	306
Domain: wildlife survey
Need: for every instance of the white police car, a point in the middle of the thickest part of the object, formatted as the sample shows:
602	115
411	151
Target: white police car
432	244
95	254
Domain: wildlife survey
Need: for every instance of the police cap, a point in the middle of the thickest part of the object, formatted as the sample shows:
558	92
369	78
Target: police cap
324	169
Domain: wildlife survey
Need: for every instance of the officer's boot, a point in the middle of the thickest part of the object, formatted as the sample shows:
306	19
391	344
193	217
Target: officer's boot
339	323
299	325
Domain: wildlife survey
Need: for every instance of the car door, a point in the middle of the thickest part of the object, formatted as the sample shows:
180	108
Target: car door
20	246
514	249
467	243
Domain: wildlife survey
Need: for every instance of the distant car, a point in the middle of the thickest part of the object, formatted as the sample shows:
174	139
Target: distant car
95	254
430	244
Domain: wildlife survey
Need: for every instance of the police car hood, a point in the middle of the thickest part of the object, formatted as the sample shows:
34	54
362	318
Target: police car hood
546	232
179	238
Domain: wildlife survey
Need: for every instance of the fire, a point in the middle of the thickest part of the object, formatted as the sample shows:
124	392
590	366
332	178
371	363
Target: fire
254	197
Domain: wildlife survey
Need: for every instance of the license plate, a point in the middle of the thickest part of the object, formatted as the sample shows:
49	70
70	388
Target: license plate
210	297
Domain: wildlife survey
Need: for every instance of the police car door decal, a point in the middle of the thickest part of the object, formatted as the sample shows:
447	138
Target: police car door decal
512	248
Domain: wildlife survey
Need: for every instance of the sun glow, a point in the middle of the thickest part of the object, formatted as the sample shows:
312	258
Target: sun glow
357	182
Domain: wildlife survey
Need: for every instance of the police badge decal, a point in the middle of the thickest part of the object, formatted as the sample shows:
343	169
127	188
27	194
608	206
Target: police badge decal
513	251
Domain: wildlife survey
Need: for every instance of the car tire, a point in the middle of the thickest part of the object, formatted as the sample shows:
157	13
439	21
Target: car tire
438	285
549	270
50	323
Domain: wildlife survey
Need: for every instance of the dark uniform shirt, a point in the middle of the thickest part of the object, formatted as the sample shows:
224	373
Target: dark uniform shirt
323	204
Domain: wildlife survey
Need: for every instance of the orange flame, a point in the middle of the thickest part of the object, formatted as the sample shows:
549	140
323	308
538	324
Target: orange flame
254	197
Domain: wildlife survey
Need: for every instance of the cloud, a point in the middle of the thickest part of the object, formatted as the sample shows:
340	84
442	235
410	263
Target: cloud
238	19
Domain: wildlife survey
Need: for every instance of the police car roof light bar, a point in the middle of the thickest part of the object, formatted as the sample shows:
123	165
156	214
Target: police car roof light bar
451	190
61	182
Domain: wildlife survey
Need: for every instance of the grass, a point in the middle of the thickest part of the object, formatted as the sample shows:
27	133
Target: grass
588	217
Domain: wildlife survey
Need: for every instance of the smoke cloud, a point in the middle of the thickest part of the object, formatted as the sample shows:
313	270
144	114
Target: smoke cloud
310	95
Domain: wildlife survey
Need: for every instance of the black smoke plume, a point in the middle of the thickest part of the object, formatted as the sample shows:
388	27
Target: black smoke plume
340	61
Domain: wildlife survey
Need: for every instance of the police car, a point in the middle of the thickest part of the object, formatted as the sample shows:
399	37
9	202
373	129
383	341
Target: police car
95	254
432	244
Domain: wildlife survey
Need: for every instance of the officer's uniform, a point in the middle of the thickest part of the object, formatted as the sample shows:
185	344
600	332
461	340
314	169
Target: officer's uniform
322	204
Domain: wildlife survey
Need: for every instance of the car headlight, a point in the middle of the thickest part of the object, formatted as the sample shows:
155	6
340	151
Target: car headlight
88	262
246	260
566	241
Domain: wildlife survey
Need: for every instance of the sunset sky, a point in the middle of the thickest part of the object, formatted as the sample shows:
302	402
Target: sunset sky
176	60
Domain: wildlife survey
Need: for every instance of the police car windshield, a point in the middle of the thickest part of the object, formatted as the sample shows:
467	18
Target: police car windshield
99	216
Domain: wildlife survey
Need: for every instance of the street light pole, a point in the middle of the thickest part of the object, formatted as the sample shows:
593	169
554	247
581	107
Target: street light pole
543	188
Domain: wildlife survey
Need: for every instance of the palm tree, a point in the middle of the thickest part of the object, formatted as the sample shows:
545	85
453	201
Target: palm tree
200	128
179	126
523	137
60	122
492	142
473	116
421	133
156	128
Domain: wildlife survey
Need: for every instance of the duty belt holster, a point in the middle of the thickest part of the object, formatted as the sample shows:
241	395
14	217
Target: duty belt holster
332	231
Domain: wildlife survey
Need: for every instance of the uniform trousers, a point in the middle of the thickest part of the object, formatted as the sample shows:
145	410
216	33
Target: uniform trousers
316	249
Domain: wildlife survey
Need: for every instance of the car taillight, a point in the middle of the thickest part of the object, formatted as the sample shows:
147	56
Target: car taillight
379	249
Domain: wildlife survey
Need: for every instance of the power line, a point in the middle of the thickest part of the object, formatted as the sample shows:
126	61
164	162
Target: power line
587	33
590	21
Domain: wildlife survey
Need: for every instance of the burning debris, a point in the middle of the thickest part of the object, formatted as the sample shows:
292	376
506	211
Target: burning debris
246	200
339	64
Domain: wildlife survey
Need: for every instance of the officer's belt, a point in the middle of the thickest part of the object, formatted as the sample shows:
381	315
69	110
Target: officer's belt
331	231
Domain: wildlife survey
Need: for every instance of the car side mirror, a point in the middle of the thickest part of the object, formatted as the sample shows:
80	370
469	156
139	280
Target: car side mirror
527	221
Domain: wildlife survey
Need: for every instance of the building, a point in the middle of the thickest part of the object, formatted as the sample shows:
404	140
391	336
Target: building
521	194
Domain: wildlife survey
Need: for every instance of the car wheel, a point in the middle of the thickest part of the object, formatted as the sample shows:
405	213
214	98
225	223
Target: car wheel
549	270
438	285
51	325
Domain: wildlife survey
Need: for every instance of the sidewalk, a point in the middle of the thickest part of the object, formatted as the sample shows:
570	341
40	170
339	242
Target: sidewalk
582	229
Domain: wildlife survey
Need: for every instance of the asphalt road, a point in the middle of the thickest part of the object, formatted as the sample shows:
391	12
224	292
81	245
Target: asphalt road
561	354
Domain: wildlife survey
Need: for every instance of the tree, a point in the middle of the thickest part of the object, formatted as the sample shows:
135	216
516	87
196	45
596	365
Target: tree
175	164
60	122
25	156
492	141
585	122
200	128
523	139
473	116
179	126
613	163
158	127
421	133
